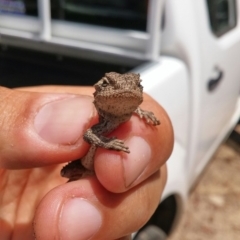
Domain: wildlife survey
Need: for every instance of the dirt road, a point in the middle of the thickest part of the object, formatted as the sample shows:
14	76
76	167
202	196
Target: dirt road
213	211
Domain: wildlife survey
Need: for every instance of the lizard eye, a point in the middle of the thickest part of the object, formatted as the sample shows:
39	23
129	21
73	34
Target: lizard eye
139	83
105	83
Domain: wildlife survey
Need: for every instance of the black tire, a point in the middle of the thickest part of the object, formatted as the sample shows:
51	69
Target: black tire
151	232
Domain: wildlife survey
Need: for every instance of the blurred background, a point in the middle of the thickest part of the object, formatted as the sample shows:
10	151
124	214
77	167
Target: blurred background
50	67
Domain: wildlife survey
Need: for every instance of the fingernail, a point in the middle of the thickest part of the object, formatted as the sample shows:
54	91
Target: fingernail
63	121
137	161
79	220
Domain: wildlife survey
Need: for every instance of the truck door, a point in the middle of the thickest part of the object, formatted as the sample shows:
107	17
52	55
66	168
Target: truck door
219	34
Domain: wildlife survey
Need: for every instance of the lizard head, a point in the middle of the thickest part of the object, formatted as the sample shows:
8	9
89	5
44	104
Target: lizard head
118	94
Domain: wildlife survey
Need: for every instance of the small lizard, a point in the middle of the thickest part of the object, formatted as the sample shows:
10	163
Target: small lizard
116	98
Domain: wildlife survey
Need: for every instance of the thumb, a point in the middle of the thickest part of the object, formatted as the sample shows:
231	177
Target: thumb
38	129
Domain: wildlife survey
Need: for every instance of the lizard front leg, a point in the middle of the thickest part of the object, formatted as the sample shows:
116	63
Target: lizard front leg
95	136
85	166
148	116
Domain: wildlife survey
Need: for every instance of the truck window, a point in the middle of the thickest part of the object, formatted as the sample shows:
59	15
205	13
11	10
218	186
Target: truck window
222	15
19	7
124	14
123	31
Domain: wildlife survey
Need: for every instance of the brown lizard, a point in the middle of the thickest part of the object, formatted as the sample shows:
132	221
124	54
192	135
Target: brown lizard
116	98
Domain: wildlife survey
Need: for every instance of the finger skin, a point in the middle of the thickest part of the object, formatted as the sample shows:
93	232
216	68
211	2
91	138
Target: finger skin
109	164
125	212
20	145
160	138
59	89
122	213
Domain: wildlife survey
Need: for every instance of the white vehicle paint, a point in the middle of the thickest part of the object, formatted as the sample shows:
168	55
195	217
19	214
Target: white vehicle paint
202	119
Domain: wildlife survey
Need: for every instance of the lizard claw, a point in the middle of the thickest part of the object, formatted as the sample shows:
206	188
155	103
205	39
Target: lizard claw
118	145
148	116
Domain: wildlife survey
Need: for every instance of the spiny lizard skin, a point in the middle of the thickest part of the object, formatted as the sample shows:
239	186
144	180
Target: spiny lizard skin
116	98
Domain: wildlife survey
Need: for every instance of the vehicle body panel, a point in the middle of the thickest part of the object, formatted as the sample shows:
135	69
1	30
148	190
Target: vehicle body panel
187	36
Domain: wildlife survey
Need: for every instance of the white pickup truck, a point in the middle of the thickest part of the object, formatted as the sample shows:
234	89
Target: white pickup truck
187	52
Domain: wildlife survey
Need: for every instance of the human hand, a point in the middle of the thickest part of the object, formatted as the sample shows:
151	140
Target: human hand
42	128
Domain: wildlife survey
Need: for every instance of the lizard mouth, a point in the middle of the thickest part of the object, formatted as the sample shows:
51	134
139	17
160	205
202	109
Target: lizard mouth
119	93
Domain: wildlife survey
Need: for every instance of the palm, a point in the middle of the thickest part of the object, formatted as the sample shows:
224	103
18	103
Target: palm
20	193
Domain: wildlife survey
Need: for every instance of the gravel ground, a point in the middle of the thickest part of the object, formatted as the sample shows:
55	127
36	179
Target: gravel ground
213	210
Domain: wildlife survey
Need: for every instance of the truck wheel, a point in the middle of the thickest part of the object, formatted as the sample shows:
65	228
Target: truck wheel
151	232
